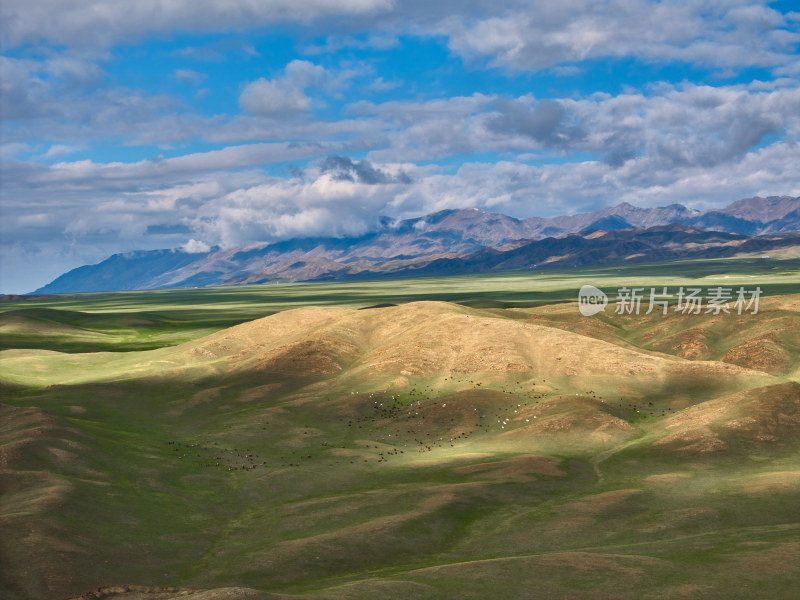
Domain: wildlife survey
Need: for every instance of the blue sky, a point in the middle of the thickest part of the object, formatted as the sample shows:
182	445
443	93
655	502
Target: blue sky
194	123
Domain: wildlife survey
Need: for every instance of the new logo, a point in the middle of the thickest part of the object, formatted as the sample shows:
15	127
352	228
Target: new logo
591	300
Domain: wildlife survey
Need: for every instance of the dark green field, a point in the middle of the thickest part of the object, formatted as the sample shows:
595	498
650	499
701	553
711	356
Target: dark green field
479	440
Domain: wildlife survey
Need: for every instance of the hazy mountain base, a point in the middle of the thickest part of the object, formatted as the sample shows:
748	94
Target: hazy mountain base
424	451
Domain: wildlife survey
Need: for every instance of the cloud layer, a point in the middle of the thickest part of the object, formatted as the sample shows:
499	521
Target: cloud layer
541	34
106	22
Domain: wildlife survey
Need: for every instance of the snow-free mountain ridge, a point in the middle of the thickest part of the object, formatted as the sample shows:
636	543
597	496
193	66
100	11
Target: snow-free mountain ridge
457	241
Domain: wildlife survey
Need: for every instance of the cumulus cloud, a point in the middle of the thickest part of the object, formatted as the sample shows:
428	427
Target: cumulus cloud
286	208
517	34
687	124
263	97
45	104
544	121
342	168
63	98
23	94
345	197
194	246
284	94
540	34
674	125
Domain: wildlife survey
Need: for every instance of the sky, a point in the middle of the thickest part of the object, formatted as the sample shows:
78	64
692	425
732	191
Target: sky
199	123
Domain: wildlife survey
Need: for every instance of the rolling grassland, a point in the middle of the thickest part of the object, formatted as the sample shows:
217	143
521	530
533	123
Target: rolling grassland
478	438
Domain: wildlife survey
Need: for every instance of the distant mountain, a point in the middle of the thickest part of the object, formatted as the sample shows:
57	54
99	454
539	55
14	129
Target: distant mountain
633	215
609	223
466	240
762	210
448	231
720	221
788	222
128	271
626	246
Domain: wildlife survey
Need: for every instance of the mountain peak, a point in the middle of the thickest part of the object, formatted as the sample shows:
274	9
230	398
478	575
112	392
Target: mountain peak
761	209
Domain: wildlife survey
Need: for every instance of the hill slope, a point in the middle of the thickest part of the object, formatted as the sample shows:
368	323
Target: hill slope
426	450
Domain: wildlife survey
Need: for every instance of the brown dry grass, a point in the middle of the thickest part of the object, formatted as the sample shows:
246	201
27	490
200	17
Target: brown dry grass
520	468
599	503
141	592
668	478
693	440
556	566
416	339
689	344
763	353
574	420
776	481
780	559
765	414
20	427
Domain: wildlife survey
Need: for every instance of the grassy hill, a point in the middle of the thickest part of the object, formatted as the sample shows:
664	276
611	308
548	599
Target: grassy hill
508	449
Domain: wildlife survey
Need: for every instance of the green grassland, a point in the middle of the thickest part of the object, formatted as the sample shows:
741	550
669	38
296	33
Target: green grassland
479	440
201	310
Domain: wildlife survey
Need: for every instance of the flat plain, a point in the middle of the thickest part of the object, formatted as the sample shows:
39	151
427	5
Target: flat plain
458	438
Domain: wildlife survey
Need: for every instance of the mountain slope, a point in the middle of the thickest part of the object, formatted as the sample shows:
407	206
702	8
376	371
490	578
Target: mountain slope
445	235
128	271
762	210
625	246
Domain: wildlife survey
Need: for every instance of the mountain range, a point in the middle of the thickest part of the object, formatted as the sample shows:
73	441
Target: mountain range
460	242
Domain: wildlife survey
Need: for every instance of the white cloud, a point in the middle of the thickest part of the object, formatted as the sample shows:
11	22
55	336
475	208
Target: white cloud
520	34
671	127
687	124
375	40
541	34
218	51
194	246
104	22
381	85
110	209
189	76
11	150
60	150
61	98
671	124
320	205
682	143
144	174
284	94
267	98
